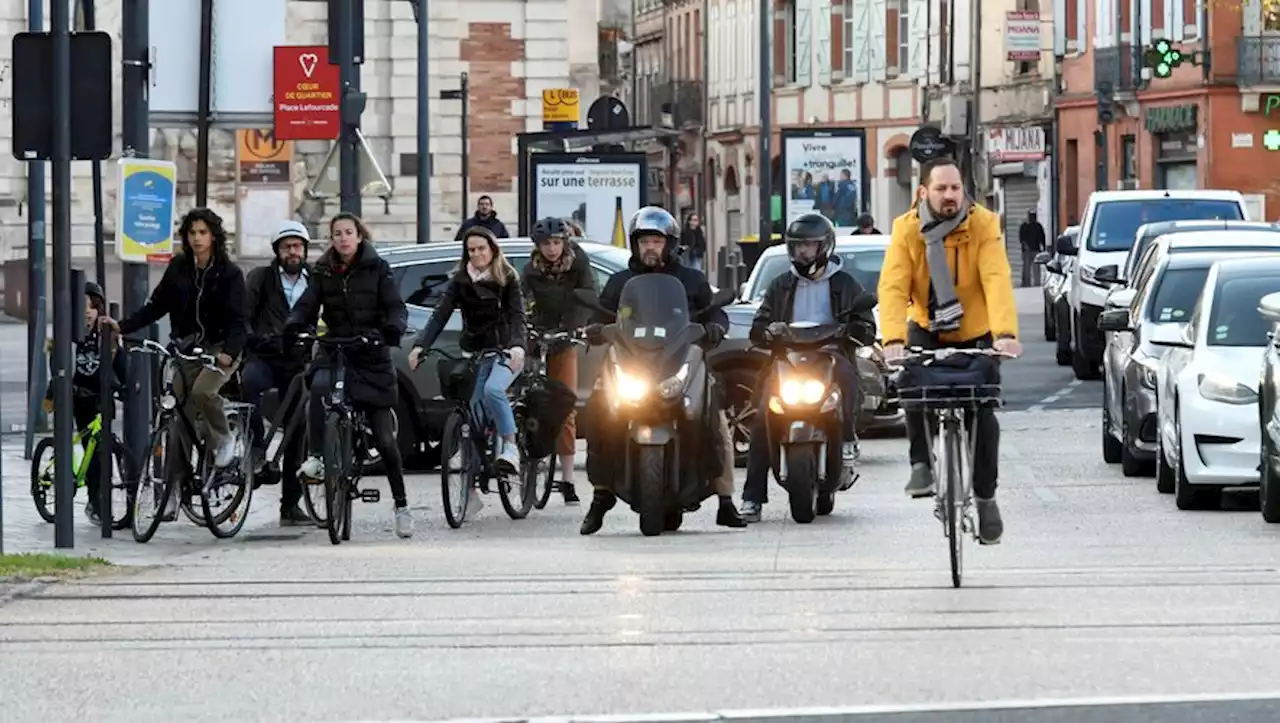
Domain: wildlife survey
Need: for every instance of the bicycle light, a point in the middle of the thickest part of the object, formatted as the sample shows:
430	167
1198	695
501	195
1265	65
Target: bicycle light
168	403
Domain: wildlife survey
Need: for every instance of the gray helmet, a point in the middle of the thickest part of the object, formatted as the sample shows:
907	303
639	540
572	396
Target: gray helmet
547	228
652	220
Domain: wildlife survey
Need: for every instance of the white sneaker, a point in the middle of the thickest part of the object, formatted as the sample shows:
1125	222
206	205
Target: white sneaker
225	454
312	469
509	459
850	453
404	523
475	502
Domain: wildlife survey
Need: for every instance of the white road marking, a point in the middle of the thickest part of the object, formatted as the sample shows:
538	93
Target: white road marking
1056	396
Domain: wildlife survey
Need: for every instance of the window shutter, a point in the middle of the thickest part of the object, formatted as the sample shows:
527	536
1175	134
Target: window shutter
804	42
822	8
877	38
918	43
859	41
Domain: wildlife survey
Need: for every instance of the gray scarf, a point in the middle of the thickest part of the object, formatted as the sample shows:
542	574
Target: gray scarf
946	312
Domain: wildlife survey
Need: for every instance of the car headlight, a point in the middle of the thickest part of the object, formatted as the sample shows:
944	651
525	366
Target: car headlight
801	391
1147	374
1226	390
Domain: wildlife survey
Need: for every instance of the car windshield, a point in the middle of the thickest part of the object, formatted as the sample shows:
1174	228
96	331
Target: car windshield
1176	295
862	264
651	310
1115	224
1235	320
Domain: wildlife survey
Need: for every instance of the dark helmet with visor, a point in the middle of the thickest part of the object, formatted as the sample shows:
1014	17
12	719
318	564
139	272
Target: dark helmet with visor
654	221
808	228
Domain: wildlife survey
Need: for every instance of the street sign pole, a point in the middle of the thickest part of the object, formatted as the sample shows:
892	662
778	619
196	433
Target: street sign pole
352	102
64	422
764	99
36	255
421	13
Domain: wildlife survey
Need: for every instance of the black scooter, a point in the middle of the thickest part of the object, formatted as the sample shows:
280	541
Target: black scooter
659	389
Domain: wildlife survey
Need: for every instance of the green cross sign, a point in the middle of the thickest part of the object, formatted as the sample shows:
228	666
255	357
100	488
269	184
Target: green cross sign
1271	140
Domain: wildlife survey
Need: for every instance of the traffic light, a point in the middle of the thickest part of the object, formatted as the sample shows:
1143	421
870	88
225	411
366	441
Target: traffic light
1162	58
1106	94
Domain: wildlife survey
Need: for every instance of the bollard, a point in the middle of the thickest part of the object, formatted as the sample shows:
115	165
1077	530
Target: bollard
107	408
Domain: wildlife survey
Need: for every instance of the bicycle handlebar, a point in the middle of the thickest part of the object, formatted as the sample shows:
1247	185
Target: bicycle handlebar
150	346
573	336
917	352
339	341
478	356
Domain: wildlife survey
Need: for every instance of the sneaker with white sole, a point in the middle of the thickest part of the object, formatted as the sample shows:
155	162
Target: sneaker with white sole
509	459
475	502
404	523
225	454
312	469
850	453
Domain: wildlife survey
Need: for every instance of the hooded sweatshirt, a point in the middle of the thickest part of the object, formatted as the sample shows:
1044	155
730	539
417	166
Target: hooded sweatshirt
813	296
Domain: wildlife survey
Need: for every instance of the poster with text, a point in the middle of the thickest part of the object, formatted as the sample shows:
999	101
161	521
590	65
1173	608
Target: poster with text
826	172
598	194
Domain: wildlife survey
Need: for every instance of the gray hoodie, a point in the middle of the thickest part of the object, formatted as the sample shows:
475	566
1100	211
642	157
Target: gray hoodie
813	296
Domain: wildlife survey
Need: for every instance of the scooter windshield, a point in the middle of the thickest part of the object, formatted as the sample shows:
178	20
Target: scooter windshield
652	311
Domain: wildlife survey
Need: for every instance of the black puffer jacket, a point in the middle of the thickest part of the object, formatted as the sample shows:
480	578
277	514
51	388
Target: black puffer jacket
492	314
205	306
356	299
549	292
779	303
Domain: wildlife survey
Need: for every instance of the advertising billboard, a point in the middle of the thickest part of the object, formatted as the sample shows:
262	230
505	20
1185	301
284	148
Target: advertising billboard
826	171
597	192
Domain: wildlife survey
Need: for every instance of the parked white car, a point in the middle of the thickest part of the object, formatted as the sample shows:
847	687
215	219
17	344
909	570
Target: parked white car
1206	392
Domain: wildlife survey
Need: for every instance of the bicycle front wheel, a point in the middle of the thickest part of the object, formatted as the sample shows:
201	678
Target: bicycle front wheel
121	486
225	494
953	501
42	492
337	476
153	489
519	492
456	465
545	484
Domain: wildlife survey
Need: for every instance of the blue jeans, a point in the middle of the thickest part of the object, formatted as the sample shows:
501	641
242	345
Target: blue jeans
489	400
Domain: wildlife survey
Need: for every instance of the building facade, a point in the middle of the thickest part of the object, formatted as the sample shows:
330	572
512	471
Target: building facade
511	49
1205	126
837	66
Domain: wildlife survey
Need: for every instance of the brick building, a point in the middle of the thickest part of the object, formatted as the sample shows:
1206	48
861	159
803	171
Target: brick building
1203	127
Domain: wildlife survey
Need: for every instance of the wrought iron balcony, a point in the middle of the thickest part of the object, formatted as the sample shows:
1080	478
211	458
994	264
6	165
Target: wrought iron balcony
1120	66
1258	61
677	103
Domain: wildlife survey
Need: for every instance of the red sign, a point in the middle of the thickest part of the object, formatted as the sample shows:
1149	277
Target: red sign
308	93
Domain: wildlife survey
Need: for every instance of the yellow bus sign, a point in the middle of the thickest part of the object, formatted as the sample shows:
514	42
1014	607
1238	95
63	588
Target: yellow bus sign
560	109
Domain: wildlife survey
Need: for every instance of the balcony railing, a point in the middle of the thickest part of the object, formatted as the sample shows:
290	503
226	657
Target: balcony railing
1258	61
678	103
1121	66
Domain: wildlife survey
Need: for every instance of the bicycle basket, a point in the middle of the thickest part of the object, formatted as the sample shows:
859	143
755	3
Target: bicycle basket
957	378
546	407
456	379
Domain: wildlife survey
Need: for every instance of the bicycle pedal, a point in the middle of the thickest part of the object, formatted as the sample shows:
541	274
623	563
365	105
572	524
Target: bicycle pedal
370	496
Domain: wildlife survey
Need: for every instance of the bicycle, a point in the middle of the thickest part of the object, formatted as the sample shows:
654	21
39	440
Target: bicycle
232	485
267	472
43	492
342	447
533	381
951	404
476	456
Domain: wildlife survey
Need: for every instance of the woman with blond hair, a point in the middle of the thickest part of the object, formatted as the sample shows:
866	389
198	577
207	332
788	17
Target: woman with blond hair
486	289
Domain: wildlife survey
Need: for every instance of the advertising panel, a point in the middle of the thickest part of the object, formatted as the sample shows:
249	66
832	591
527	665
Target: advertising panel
1022	36
826	172
145	214
597	192
307	94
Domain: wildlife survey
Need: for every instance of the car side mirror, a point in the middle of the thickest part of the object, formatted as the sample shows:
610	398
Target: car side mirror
1114	320
1042	258
1065	246
1054	267
1171	336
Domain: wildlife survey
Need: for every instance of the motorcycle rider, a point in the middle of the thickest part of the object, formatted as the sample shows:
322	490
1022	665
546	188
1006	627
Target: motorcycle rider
654	236
352	288
815	290
946	283
274	290
556	269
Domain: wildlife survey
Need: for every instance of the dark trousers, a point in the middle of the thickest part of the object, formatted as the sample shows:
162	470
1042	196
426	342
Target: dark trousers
1030	269
756	486
83	410
384	433
257	376
986	454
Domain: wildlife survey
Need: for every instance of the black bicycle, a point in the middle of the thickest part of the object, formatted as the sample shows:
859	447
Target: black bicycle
224	494
537	398
268	471
468	446
346	439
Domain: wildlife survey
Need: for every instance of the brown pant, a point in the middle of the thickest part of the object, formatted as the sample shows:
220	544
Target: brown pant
203	401
563	367
723	484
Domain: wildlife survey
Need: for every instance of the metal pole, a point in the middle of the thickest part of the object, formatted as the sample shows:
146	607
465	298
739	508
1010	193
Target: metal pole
764	98
465	87
107	407
99	236
204	101
975	76
136	142
424	123
36	255
63	420
349	193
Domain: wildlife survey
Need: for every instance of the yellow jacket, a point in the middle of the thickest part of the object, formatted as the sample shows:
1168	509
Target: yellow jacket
978	262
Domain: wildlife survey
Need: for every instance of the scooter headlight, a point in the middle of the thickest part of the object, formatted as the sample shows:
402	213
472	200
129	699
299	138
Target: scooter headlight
798	391
628	387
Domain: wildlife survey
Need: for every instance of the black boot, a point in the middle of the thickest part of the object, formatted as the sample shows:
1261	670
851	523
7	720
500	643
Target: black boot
601	502
728	515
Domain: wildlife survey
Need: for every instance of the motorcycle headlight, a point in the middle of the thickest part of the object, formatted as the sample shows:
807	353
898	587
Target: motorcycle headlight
628	387
1226	390
673	386
797	391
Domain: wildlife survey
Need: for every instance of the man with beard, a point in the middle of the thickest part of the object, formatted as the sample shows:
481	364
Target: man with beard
946	282
272	292
654	236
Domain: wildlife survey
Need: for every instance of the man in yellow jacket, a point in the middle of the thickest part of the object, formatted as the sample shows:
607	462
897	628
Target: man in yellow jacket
946	282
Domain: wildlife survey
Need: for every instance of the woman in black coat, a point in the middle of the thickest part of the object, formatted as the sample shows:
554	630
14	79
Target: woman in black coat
486	288
351	286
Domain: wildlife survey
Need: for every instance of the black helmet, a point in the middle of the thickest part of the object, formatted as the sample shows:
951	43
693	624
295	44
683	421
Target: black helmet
547	228
866	220
91	288
652	220
811	227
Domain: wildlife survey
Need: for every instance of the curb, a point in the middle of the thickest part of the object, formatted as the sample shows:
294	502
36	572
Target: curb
22	587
